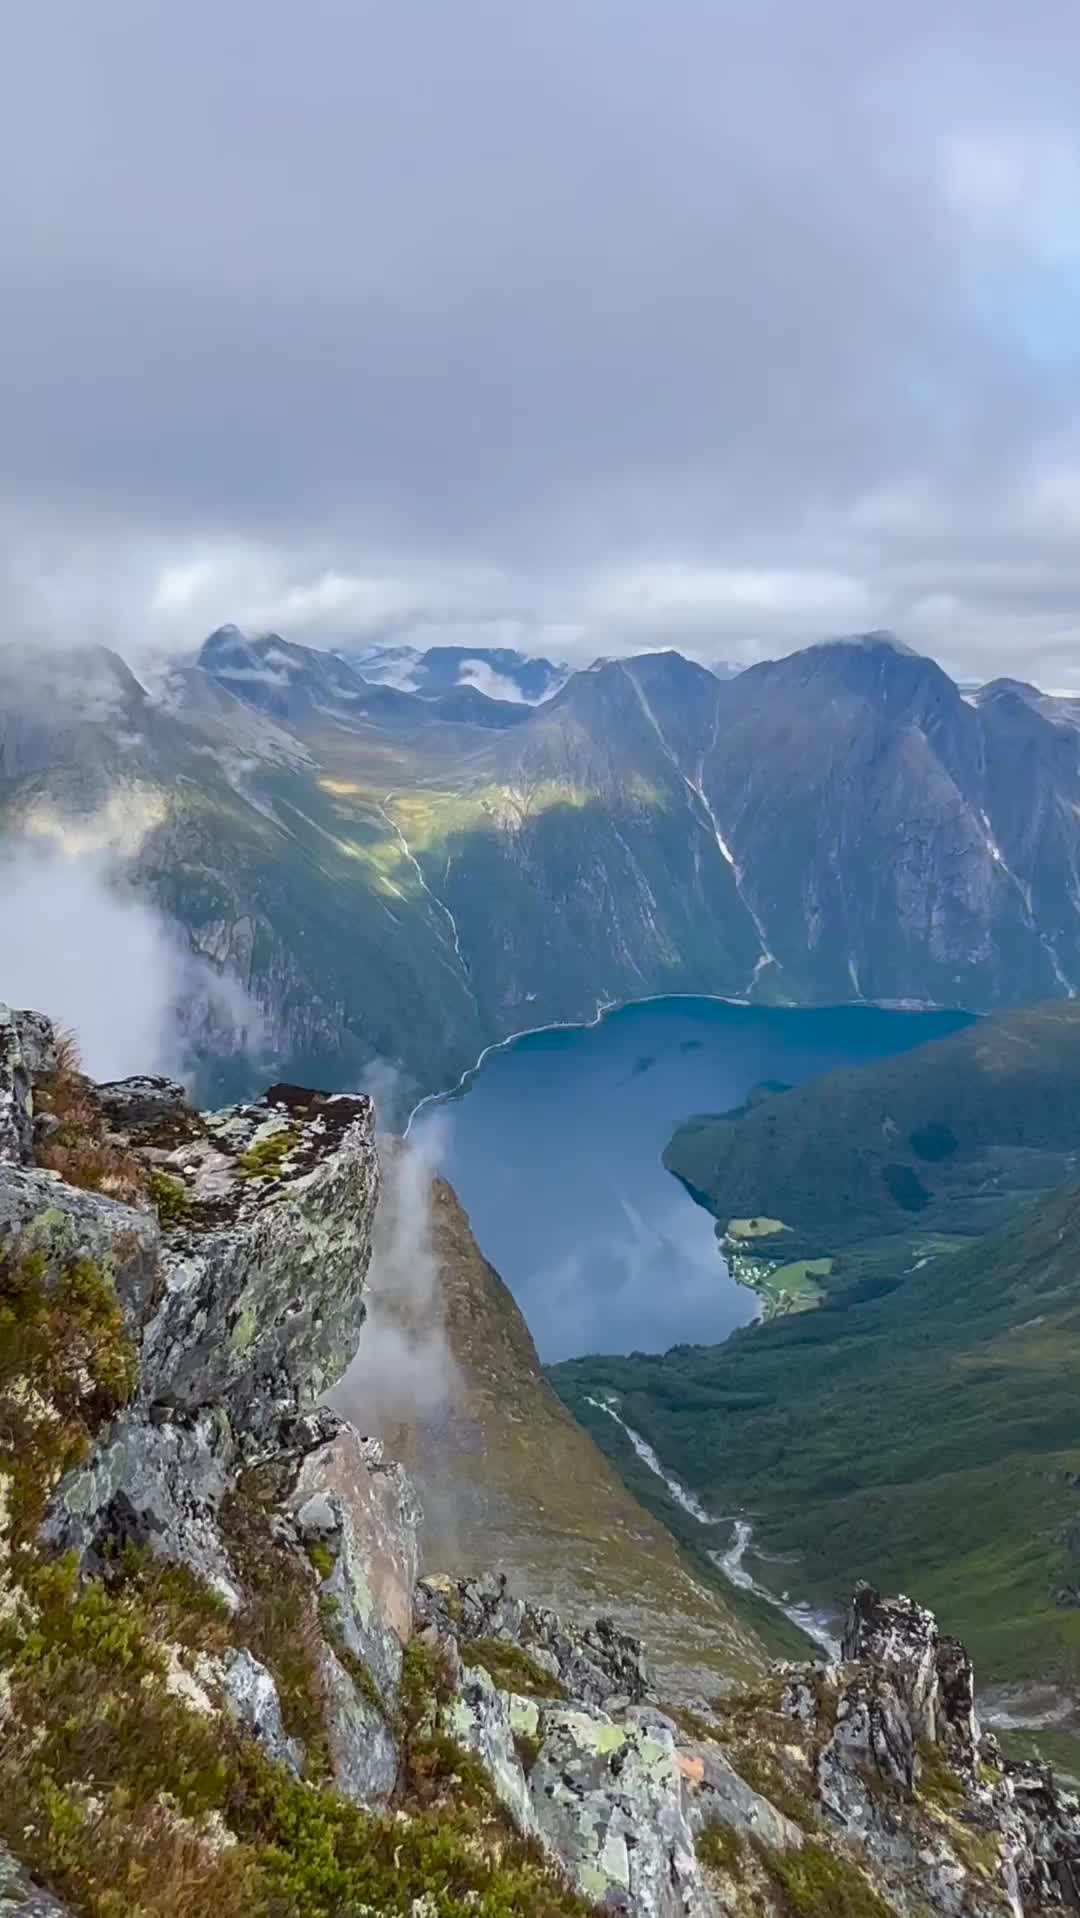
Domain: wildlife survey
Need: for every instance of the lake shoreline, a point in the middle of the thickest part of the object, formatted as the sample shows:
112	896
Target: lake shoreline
554	1141
607	1008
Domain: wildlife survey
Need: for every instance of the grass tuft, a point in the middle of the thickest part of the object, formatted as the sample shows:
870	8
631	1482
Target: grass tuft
169	1197
818	1883
265	1157
79	1147
511	1668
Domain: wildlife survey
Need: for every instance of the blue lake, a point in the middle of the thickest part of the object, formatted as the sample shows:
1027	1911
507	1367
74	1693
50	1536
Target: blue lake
553	1144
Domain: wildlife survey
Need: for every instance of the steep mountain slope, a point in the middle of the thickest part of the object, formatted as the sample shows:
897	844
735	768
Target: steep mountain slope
505	1474
577	862
844	819
303	894
408	876
895	840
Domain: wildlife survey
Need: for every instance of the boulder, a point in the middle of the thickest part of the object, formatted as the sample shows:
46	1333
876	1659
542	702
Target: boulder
21	1898
360	1507
144	1100
607	1799
595	1665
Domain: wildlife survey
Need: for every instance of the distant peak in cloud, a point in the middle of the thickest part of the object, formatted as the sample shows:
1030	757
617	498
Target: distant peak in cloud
476	672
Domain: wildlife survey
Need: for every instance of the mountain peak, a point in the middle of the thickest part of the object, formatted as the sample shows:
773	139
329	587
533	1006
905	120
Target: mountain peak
879	639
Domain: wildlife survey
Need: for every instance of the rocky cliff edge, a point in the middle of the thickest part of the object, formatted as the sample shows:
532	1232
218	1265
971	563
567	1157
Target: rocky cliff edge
223	1689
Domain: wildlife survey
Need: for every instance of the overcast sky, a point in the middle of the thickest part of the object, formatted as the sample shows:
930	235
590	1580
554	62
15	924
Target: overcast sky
583	325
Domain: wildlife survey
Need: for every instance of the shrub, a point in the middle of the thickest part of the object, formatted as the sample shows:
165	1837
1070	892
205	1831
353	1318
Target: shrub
67	1366
933	1141
905	1187
169	1198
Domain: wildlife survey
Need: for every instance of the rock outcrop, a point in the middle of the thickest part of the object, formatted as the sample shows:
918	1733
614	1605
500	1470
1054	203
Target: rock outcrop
224	1688
27	1051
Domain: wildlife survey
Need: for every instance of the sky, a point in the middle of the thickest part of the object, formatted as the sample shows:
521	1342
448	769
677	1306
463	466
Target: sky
585	327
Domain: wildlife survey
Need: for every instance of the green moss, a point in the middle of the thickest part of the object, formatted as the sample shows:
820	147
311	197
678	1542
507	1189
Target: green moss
425	1685
177	1604
264	1158
169	1198
511	1668
819	1883
764	1772
720	1848
979	1850
336	1860
937	1781
322	1558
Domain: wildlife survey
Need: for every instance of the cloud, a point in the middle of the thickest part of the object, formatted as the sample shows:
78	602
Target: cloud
80	946
403	1372
477	672
689	298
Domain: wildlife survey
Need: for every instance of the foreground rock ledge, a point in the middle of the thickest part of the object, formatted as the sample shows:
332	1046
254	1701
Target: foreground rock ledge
231	1276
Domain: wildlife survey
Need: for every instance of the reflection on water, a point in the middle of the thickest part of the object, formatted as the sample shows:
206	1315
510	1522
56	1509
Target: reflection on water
554	1147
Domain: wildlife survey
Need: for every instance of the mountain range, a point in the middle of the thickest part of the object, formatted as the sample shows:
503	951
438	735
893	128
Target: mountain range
407	875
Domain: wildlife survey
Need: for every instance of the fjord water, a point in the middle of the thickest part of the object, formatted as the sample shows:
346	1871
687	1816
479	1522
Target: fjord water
554	1145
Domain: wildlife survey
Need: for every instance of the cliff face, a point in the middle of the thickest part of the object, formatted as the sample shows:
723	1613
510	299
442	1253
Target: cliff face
223	1690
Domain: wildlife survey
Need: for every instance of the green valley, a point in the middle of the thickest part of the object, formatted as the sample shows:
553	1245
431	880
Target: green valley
920	1423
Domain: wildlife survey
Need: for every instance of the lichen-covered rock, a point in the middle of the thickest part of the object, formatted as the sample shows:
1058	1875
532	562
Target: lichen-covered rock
364	1751
607	1798
713	1793
21	1898
16	1099
604	1797
872	1752
263	1301
245	1313
158	1485
358	1518
40	1213
360	1509
251	1696
595	1665
37	1037
900	1640
486	1721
